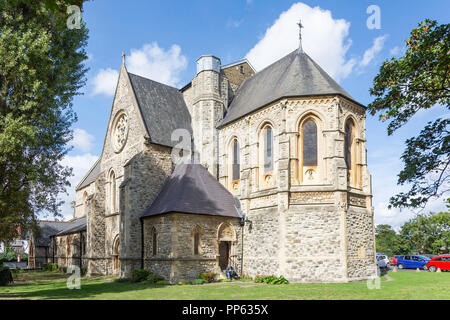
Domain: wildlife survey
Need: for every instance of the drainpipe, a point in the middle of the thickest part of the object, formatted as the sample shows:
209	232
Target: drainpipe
142	243
81	252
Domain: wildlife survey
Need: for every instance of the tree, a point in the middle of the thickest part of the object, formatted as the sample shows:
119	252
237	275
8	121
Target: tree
386	239
427	233
419	80
41	70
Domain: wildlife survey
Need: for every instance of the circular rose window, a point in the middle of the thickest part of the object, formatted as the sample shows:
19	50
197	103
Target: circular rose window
120	132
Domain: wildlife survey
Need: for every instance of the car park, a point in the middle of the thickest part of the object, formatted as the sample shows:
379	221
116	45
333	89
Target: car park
411	261
393	260
439	262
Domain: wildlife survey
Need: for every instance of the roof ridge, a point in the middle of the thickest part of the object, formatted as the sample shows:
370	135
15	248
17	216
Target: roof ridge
163	84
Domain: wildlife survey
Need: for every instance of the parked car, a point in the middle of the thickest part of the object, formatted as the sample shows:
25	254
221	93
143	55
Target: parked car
393	260
382	261
411	261
431	256
439	262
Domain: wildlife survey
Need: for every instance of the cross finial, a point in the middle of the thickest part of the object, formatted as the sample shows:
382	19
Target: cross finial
123	57
300	26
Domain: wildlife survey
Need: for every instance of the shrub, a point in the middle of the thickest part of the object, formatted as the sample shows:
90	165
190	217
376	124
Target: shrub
62	269
208	276
154	278
53	267
163	282
5	276
184	282
271	280
224	280
122	280
198	281
139	275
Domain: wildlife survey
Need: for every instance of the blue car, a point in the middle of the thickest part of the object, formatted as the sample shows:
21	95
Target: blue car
412	262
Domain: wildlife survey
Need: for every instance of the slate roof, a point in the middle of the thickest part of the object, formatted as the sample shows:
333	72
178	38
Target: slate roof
192	189
162	107
52	228
292	76
90	176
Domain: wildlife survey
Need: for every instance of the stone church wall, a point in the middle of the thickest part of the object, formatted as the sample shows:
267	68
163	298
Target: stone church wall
175	259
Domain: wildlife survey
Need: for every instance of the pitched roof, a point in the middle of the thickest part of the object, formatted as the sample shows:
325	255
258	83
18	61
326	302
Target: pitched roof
162	107
90	176
192	189
52	228
292	76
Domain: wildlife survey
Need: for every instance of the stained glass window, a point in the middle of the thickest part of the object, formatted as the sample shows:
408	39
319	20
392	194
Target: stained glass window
268	149
236	165
309	143
348	144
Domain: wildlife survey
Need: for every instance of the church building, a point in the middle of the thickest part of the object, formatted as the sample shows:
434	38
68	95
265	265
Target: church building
276	183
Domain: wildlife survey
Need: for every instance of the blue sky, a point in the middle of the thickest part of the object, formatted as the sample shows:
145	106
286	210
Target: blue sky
162	40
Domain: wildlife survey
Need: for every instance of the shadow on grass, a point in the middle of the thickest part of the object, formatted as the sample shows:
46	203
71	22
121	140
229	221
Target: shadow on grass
90	288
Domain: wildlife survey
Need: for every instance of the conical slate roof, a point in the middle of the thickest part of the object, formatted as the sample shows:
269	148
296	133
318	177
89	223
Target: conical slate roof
295	75
192	189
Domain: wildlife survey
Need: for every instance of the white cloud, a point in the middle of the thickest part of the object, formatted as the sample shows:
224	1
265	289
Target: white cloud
82	140
369	54
80	165
395	51
155	63
325	39
105	82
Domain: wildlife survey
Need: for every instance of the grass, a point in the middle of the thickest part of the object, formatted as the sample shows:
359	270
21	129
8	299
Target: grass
406	285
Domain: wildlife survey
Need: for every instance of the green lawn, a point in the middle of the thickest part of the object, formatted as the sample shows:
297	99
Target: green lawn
406	285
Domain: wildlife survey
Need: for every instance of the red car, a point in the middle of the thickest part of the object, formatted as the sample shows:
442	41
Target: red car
439	262
393	260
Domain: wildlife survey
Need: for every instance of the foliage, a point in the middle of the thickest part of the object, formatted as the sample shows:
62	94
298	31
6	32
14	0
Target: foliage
9	255
184	282
224	280
5	276
198	281
271	280
41	70
388	241
208	276
62	269
140	275
52	267
418	81
163	282
427	233
154	278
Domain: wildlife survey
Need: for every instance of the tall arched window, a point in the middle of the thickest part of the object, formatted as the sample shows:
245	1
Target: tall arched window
85	209
196	240
348	143
236	174
113	191
268	149
309	143
154	242
350	152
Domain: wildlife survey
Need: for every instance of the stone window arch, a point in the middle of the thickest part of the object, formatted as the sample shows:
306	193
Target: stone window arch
266	155
112	192
234	165
154	242
310	151
196	240
226	232
85	209
68	251
351	152
116	253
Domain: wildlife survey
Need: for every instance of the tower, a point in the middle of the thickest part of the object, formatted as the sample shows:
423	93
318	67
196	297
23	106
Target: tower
209	102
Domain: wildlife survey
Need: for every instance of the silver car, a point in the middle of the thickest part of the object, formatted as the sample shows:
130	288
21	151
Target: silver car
382	261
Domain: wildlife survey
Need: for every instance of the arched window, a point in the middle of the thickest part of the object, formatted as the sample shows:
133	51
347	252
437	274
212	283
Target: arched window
196	239
348	143
85	209
268	149
67	247
154	242
116	253
309	143
236	174
112	181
